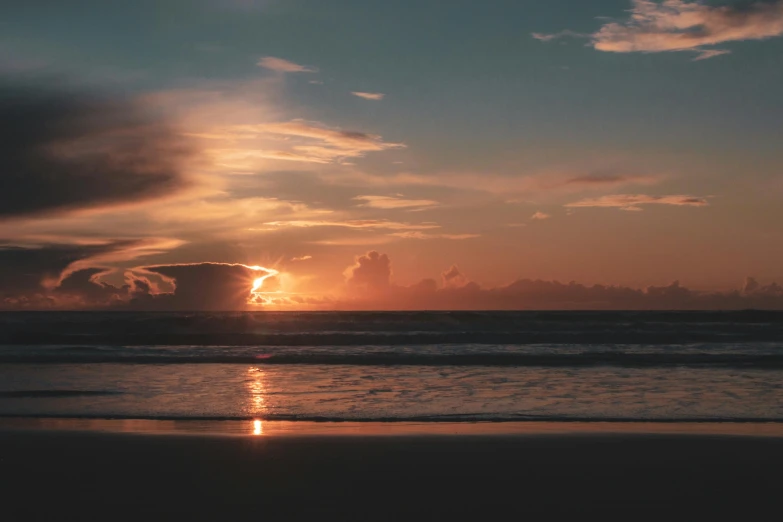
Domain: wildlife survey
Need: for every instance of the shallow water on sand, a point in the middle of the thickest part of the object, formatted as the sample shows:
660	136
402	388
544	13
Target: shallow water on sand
341	392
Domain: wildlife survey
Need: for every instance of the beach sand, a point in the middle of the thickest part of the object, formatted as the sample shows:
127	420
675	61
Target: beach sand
492	472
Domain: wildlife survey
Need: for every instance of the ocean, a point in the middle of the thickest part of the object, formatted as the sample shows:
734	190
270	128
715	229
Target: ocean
394	366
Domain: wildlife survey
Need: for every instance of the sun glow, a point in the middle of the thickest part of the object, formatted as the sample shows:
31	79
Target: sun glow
258	283
256	405
273	289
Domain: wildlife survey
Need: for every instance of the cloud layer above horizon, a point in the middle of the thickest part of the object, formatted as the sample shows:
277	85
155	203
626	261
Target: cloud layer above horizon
244	147
368	285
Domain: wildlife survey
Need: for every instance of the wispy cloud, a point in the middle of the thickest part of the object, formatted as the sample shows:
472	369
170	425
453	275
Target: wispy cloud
359	240
681	25
611	179
281	65
705	54
376	96
239	158
301	258
347	140
311	142
540	216
426	235
631	202
555	180
544	37
354	223
388	202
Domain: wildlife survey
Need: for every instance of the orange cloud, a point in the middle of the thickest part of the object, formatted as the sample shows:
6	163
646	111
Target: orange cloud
281	65
346	140
631	202
609	179
426	235
355	223
313	142
242	158
540	216
389	202
680	25
376	96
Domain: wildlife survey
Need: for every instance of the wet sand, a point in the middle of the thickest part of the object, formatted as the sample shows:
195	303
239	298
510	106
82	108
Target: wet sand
49	474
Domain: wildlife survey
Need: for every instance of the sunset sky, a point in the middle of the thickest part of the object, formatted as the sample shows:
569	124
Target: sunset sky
404	154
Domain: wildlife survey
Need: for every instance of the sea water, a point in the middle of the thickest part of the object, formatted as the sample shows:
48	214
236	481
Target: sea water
386	366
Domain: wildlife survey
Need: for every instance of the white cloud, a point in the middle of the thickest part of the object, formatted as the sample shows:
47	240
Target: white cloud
281	65
376	96
540	216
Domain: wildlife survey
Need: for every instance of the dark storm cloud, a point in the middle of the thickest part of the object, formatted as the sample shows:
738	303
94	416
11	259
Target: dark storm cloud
23	270
202	286
62	150
49	276
86	289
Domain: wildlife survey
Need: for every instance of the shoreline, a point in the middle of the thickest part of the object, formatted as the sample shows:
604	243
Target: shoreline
282	428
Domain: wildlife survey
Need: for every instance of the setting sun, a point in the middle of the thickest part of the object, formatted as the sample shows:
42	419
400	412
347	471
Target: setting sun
526	259
258	283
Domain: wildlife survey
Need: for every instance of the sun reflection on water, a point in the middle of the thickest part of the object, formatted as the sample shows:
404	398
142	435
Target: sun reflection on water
258	427
256	390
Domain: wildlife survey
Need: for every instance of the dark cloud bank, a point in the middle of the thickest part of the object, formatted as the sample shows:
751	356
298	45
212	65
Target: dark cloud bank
29	281
202	286
64	150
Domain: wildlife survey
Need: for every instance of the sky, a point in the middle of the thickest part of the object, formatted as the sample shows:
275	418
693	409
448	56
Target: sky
391	155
